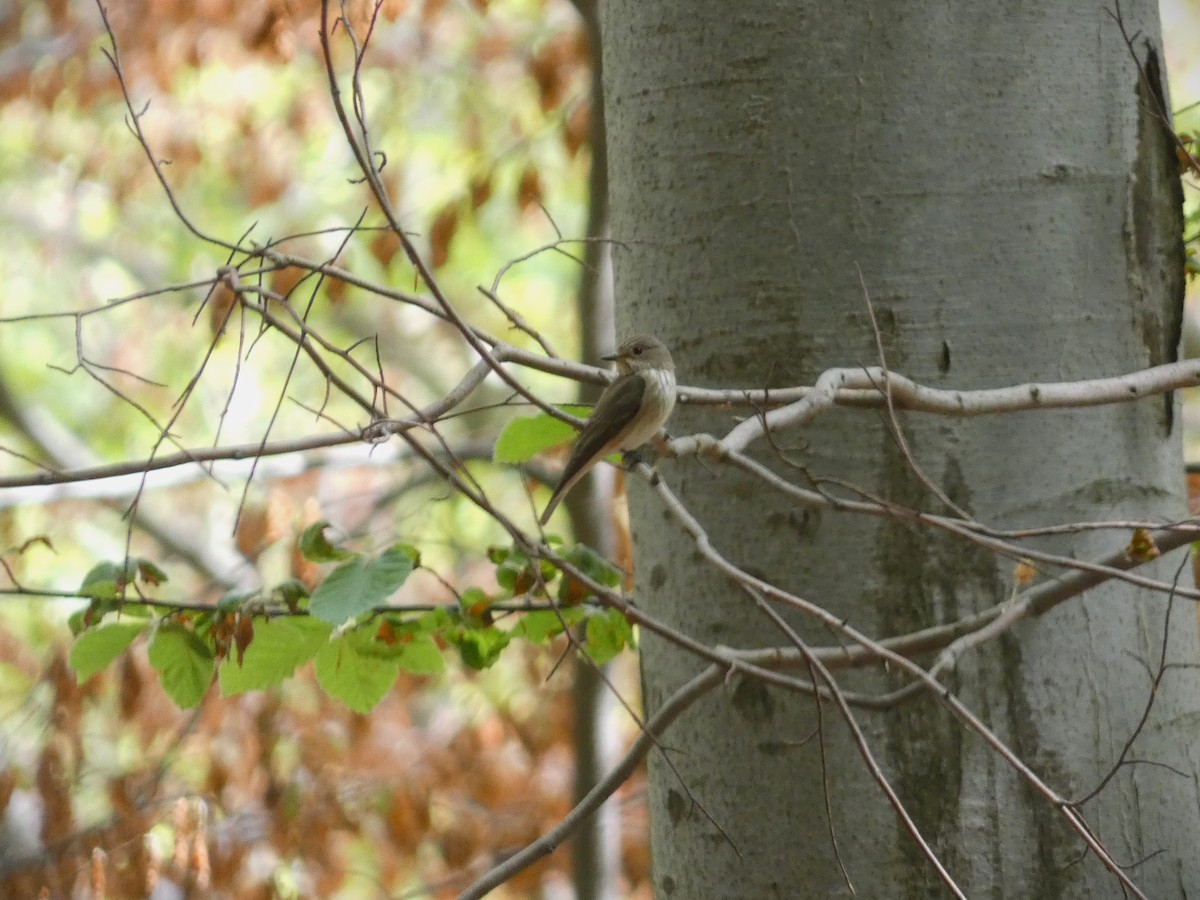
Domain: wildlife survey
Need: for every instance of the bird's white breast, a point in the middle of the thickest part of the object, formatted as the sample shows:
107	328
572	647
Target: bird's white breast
657	403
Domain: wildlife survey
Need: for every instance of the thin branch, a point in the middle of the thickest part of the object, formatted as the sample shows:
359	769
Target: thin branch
861	742
935	687
870	387
655	726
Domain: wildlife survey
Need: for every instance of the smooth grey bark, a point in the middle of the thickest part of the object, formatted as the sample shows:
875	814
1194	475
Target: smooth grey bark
1015	218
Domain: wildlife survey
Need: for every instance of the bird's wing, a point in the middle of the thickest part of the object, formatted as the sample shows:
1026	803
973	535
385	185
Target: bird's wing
618	405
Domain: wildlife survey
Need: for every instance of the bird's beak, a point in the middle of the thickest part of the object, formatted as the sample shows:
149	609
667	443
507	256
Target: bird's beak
612	357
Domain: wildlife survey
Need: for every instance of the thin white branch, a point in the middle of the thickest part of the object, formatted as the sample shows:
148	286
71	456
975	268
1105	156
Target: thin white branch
867	387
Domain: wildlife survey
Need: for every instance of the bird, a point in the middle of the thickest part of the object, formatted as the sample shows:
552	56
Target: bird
630	411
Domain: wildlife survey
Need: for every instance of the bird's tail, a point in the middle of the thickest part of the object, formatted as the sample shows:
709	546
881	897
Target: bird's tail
555	499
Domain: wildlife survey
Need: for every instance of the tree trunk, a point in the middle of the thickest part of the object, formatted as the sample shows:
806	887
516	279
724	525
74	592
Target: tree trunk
998	174
596	846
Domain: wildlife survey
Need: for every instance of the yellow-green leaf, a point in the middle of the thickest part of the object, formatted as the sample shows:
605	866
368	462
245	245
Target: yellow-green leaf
97	647
524	438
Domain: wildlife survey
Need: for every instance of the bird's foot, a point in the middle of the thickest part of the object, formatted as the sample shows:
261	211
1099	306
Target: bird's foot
630	458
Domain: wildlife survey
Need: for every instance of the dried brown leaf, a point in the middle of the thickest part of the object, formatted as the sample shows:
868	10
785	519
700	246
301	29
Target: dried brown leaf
441	233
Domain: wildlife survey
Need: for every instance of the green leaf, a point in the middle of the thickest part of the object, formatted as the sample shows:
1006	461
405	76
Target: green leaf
390	570
357	586
315	547
78	621
278	648
608	633
358	679
475	608
573	591
411	552
105	581
593	565
149	572
184	663
97	647
516	572
436	621
421	656
538	627
481	647
524	438
342	595
108	580
83	619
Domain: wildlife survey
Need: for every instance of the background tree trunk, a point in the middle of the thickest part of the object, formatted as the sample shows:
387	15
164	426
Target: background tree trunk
1015	218
596	847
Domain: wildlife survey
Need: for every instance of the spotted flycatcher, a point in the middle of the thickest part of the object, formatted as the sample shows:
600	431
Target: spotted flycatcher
629	412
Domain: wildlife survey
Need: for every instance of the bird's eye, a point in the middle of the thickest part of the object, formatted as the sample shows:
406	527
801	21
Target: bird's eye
637	351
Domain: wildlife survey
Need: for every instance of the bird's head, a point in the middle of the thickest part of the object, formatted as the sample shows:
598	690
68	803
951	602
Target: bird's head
643	351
